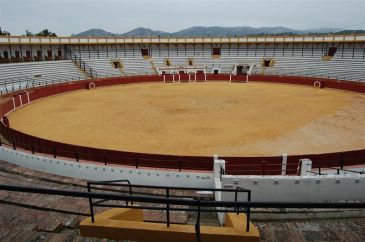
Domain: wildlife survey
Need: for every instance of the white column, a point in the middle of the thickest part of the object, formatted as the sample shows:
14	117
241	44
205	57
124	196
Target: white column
195	77
246	78
306	167
20	98
164	78
179	78
13	102
230	78
218	164
189	77
173	77
205	77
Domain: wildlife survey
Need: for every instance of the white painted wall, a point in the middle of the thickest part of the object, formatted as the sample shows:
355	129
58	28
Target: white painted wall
96	172
264	188
298	188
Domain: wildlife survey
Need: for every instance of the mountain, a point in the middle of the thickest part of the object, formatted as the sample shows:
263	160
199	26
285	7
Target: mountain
212	31
323	30
145	32
95	32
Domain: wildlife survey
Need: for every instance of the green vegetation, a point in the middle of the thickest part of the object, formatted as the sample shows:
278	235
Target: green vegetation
45	33
4	32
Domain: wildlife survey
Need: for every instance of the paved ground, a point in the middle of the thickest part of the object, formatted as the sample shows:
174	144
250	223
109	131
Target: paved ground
349	230
32	217
254	119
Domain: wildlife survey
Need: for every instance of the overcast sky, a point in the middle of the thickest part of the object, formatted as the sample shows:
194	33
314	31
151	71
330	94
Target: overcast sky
73	16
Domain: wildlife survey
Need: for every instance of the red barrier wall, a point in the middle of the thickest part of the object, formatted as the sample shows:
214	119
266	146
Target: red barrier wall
235	165
309	81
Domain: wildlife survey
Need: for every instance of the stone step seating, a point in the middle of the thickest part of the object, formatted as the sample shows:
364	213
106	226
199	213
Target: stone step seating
41	73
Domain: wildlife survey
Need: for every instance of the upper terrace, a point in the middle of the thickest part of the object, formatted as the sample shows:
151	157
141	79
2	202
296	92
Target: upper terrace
181	40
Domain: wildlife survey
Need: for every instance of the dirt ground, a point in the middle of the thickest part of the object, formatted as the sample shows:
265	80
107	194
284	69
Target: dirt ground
235	119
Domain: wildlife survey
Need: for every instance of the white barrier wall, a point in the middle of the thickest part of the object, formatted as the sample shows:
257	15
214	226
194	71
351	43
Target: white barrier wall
264	188
298	188
97	172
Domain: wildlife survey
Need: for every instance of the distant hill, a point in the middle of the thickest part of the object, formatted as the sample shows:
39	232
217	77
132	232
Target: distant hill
215	31
145	32
95	32
230	31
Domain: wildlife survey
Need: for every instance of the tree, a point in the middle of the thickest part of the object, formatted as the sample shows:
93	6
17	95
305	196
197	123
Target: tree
4	32
28	33
46	32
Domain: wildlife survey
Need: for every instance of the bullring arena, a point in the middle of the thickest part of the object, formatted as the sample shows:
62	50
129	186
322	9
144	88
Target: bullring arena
227	133
201	119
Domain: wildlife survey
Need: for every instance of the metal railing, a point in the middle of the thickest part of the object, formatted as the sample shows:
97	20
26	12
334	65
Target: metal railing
82	64
167	194
198	205
19	84
337	169
132	160
316	73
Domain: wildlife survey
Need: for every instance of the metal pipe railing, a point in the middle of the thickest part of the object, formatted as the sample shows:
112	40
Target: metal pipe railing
198	204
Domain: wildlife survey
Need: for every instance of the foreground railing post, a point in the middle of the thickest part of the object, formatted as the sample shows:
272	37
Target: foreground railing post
221	173
77	156
91	204
104	157
342	162
168	208
197	225
130	191
235	199
248	215
14	146
54	153
32	147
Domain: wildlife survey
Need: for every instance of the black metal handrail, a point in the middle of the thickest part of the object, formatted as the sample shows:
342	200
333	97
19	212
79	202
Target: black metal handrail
117	183
82	64
333	168
196	204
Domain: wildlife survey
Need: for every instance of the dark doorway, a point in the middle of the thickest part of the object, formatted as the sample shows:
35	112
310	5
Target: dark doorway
267	62
331	51
117	64
216	51
144	52
239	70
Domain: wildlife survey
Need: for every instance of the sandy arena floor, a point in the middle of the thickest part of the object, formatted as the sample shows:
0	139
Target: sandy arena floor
254	119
